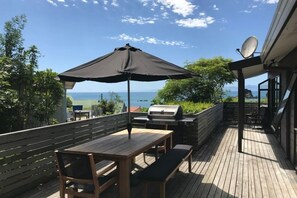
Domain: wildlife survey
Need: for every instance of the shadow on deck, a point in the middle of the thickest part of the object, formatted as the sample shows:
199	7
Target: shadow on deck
218	170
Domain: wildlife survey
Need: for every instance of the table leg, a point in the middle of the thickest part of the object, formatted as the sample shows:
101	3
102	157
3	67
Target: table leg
169	143
124	178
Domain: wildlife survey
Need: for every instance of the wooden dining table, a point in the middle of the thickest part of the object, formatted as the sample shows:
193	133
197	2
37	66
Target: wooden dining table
118	147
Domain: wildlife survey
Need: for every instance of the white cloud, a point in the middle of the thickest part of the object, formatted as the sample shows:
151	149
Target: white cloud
111	2
246	11
139	20
214	7
144	2
150	40
115	3
181	7
202	14
165	15
85	1
125	37
196	23
63	1
52	2
267	1
95	2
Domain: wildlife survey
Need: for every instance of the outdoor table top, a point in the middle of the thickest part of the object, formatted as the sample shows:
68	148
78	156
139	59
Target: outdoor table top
117	145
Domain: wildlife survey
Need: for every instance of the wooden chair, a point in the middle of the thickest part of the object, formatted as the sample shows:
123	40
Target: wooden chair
257	117
159	149
156	150
78	175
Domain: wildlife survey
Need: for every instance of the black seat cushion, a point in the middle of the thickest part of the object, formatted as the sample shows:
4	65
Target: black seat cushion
164	166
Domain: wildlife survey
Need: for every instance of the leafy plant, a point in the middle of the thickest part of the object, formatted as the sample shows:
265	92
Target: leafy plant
108	106
214	74
69	102
24	93
48	93
191	107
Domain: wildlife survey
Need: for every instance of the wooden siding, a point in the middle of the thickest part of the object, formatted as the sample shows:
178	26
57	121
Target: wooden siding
27	159
218	170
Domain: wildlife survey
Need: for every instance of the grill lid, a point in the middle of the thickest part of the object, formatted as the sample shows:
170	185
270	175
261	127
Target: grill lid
173	112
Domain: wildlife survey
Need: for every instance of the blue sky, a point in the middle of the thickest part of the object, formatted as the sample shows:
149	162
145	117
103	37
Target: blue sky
71	32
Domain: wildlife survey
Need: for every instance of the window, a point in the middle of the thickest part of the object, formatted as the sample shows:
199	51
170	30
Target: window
282	105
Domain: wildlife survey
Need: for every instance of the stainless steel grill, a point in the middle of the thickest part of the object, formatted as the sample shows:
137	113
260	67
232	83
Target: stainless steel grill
161	112
168	117
164	114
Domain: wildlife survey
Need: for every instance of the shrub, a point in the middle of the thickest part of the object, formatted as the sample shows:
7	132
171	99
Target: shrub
191	107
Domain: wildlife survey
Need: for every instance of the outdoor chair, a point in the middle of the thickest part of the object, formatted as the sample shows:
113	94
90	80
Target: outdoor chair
159	149
77	108
78	175
257	117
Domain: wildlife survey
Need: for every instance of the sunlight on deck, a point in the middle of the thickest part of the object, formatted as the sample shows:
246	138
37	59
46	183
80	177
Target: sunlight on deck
218	170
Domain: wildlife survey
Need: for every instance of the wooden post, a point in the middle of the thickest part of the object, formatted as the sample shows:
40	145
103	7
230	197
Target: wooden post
241	97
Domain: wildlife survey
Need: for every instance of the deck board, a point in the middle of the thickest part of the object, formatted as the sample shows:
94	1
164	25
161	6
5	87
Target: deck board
218	170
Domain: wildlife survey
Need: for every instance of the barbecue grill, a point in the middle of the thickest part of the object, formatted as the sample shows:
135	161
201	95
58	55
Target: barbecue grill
167	115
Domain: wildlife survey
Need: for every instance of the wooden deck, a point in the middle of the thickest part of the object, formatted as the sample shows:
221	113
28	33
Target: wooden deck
218	170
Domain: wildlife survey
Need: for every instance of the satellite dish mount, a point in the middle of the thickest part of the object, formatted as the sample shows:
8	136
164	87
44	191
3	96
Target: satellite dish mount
248	47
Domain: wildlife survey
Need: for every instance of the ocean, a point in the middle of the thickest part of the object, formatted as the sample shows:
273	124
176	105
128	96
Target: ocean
235	94
142	99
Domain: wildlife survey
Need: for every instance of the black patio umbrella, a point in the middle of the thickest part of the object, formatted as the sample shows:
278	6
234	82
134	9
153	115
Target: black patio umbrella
125	64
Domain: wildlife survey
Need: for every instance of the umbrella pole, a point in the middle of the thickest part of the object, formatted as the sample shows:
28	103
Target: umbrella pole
129	125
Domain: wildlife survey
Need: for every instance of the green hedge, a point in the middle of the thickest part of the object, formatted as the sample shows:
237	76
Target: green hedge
191	107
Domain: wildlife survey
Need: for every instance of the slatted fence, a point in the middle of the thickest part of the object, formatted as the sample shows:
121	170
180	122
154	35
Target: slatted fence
231	110
27	158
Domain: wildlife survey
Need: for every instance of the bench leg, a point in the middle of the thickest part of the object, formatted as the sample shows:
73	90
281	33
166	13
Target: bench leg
162	189
145	191
190	163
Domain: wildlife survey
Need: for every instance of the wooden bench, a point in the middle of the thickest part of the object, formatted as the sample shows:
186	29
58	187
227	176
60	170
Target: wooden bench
164	168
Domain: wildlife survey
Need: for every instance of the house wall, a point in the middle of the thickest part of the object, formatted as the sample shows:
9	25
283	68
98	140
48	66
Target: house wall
284	122
61	113
292	127
288	124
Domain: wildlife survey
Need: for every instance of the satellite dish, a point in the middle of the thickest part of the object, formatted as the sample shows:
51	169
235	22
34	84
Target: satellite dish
249	47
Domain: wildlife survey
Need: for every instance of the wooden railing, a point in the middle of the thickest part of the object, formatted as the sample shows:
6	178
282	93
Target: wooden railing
231	111
27	158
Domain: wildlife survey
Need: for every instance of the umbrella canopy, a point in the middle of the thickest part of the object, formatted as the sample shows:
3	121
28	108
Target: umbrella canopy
125	64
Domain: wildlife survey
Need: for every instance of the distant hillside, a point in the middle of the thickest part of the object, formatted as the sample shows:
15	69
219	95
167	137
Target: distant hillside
234	88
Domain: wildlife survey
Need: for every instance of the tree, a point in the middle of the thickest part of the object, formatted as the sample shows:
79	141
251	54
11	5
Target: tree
69	102
108	106
17	75
47	95
8	98
206	88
